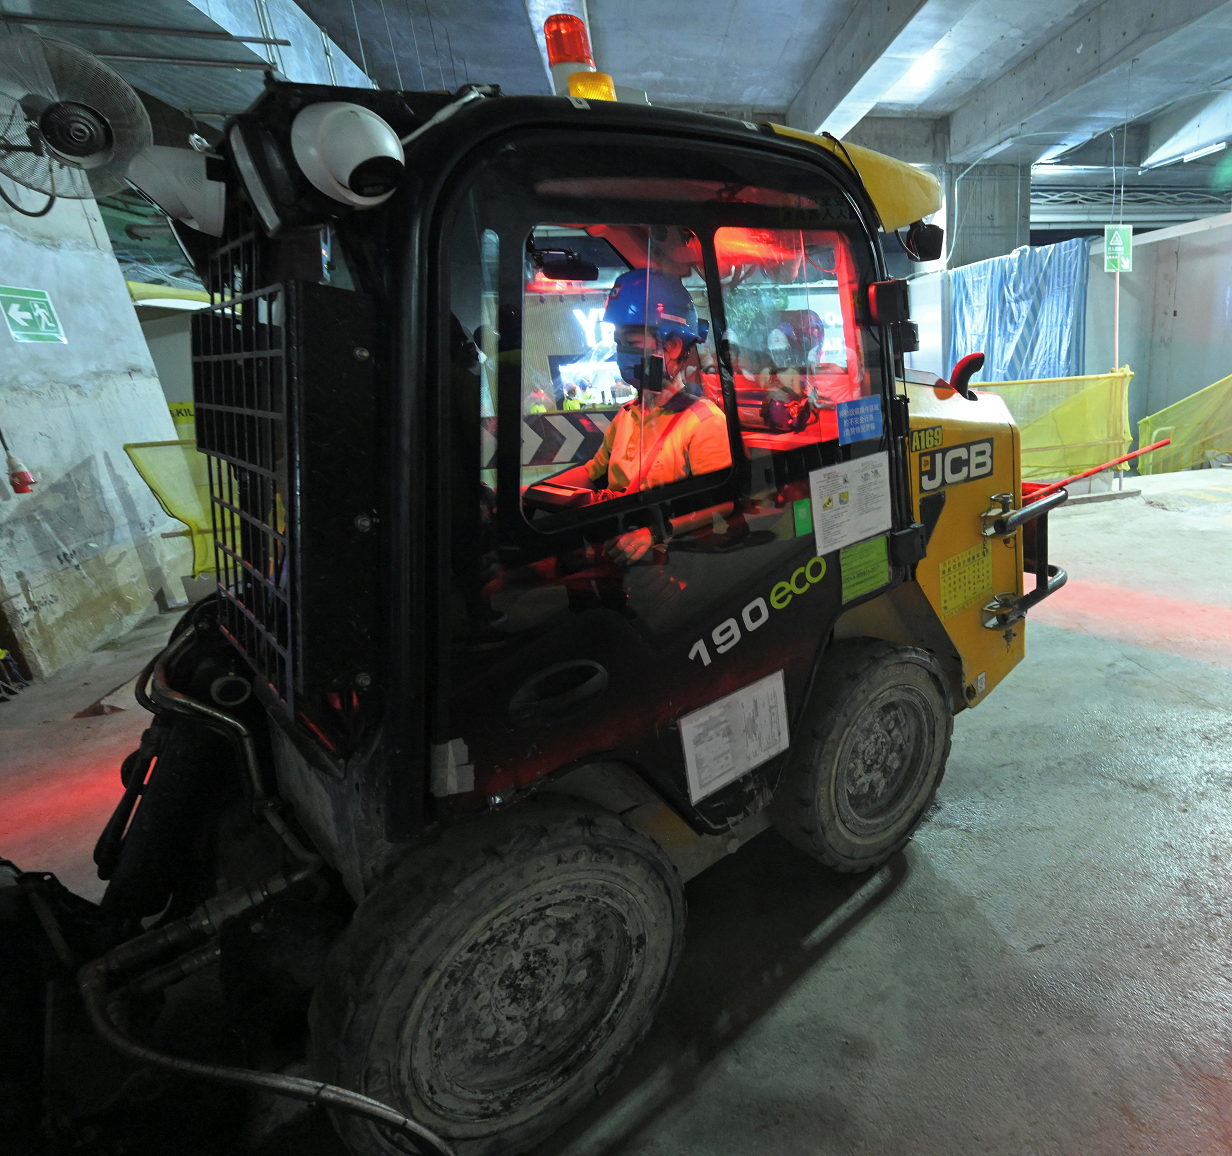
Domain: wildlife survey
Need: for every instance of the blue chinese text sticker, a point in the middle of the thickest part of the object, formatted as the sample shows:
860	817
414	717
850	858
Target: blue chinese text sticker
859	420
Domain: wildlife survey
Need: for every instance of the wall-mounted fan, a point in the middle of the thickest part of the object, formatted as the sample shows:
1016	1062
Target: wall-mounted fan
69	125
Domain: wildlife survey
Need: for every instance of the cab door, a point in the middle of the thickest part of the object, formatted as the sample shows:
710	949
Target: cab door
631	552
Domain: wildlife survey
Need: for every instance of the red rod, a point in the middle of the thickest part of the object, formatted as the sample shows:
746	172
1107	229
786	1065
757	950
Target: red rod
1087	473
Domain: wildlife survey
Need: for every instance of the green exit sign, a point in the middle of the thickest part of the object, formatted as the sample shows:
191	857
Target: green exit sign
30	315
1118	248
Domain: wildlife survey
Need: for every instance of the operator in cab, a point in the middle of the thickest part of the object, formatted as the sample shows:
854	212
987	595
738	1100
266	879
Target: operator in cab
670	431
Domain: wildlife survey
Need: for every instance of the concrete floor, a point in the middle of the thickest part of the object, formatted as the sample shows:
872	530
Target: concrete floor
60	775
1045	969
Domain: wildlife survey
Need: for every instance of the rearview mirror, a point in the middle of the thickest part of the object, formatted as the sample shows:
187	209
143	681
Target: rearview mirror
924	242
568	267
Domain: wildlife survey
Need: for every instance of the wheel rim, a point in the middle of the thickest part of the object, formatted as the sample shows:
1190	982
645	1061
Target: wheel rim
884	759
523	1001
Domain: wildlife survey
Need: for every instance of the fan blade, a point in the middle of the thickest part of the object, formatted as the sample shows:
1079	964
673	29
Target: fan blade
23	68
81	77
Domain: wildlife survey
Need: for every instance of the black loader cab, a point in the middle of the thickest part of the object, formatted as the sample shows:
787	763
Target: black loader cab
571	530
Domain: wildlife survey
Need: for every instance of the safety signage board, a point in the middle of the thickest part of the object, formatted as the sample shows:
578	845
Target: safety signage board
1118	248
734	735
859	419
851	501
966	580
30	315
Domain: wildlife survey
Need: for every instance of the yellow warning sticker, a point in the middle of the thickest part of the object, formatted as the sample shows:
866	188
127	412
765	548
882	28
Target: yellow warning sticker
966	579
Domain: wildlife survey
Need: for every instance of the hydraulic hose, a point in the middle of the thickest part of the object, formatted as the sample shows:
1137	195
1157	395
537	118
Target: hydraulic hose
207	920
181	704
162	697
92	982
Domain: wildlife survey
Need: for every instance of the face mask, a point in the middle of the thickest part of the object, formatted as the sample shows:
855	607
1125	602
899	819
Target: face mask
630	365
631	370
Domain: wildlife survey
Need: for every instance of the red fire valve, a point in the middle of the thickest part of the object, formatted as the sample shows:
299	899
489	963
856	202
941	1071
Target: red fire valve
20	478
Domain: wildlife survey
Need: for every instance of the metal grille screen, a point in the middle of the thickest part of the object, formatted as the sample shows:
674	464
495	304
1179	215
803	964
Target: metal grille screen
240	389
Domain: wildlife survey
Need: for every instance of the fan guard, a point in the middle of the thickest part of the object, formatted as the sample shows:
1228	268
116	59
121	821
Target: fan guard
80	103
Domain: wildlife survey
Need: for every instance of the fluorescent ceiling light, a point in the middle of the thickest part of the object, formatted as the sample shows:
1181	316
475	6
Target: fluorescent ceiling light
1206	152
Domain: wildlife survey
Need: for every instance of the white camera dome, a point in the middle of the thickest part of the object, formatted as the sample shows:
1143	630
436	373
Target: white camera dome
348	152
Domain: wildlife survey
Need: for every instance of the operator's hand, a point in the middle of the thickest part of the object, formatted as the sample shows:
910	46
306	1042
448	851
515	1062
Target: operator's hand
632	547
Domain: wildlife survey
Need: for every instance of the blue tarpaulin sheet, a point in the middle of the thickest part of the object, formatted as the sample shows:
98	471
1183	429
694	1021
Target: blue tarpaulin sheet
1025	312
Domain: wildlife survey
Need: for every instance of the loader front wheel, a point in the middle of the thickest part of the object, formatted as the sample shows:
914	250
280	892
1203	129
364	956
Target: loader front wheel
497	981
870	757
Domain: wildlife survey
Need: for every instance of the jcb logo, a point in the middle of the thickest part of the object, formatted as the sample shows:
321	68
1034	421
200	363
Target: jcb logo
955	464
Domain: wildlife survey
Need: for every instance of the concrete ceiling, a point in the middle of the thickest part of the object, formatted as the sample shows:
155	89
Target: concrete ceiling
1009	80
940	82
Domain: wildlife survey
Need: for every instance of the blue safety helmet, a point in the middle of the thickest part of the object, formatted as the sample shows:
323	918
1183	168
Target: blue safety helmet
661	304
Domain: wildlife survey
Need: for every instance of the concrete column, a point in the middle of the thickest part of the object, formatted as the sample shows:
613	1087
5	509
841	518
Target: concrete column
82	557
988	211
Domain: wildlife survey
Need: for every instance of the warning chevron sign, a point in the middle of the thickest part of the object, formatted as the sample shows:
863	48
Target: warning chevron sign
552	438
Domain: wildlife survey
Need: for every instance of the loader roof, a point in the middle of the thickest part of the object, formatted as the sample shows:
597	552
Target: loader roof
900	192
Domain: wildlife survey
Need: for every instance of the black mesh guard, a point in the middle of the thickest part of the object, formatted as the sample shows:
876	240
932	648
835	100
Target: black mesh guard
285	380
240	391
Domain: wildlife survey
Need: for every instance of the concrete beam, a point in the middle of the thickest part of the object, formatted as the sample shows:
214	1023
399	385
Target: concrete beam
876	48
1104	151
1190	129
1121	61
988	211
915	139
868	31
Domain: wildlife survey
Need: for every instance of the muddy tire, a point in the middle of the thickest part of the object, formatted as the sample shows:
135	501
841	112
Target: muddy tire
870	757
497	981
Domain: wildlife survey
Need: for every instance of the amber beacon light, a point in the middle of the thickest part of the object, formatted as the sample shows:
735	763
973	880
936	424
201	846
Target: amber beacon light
572	62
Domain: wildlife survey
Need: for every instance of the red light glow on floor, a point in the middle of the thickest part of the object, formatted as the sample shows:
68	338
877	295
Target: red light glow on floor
1194	630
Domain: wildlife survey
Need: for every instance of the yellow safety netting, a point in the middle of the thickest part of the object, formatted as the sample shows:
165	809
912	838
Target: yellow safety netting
1200	427
1068	424
177	474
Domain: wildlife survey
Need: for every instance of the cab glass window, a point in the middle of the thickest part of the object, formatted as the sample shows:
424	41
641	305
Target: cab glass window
795	351
620	387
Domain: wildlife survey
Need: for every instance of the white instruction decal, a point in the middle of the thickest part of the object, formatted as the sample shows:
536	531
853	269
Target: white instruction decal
851	501
733	735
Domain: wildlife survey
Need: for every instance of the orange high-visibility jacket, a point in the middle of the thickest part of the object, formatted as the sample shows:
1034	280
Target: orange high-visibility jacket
686	438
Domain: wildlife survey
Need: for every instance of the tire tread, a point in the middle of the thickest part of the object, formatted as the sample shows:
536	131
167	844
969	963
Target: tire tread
847	665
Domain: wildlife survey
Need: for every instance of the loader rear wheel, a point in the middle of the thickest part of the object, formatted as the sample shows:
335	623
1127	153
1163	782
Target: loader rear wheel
865	769
496	982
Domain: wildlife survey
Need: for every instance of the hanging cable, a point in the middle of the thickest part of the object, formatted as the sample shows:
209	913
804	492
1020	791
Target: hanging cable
1113	214
51	200
957	219
392	50
435	46
1018	218
363	60
1129	76
453	62
423	84
957	223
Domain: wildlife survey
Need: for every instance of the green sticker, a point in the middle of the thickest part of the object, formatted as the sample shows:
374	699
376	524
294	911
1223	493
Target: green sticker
29	315
865	566
802	511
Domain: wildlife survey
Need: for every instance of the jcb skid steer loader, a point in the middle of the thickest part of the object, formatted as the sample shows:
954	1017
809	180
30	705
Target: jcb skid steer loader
576	520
